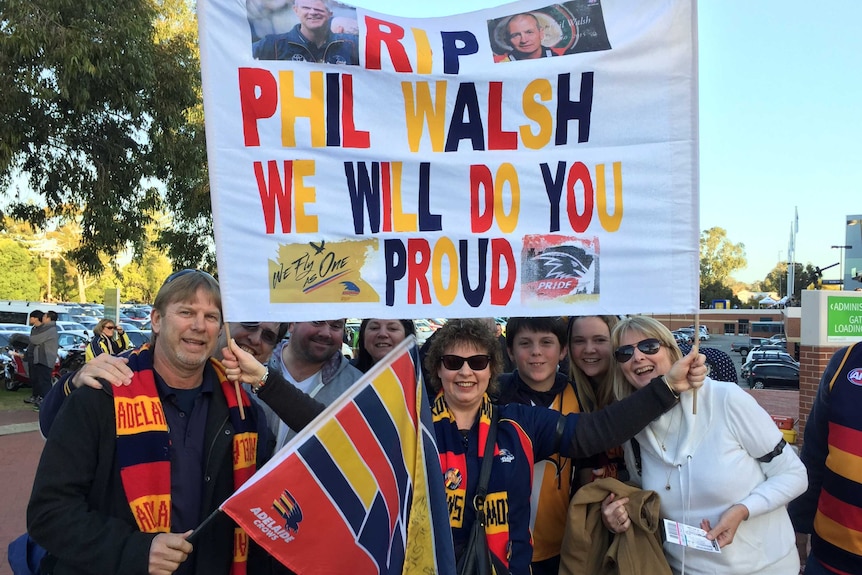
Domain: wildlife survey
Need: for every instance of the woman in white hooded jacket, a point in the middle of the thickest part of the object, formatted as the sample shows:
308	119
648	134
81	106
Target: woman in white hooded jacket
725	469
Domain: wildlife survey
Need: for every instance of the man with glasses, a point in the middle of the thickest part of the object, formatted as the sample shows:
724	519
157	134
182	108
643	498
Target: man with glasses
312	361
257	338
129	470
312	40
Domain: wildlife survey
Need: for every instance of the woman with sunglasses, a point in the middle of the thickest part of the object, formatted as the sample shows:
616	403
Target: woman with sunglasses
725	469
464	361
107	339
377	337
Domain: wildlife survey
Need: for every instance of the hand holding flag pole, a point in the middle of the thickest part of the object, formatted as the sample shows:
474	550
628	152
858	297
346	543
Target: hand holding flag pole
236	383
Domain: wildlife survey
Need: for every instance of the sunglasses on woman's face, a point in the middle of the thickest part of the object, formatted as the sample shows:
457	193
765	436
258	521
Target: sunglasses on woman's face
476	362
648	346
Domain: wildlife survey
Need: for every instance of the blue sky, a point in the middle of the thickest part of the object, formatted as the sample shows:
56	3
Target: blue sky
780	121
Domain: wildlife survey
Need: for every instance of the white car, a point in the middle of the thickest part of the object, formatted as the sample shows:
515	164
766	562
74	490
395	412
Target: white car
770	354
346	350
70	326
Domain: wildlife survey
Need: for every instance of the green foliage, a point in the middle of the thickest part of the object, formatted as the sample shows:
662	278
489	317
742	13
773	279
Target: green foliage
17	281
804	278
719	257
25	266
143	278
100	101
717	290
776	280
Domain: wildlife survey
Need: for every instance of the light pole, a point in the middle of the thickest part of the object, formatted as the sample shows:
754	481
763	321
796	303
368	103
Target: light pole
47	248
841	261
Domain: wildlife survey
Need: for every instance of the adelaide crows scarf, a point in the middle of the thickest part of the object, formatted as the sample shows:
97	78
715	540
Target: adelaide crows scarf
460	489
143	448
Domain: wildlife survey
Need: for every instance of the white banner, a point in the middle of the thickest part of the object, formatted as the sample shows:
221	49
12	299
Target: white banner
530	159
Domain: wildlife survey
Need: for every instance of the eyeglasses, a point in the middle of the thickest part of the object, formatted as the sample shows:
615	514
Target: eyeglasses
648	346
267	336
109	327
476	362
333	325
185	272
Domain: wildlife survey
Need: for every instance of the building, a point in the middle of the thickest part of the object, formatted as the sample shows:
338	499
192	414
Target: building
757	322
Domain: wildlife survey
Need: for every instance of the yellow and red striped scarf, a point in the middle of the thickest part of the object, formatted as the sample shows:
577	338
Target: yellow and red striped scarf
143	449
453	464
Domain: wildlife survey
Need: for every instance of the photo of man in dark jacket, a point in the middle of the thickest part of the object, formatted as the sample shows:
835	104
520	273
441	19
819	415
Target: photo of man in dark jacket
312	40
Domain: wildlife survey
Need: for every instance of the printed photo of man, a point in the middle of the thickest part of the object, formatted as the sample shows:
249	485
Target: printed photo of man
313	39
525	35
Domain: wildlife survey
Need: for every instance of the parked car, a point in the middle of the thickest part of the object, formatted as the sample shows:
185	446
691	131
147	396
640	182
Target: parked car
137	337
743	347
70	326
136	313
681	336
90	325
771	347
773	375
4	339
766	357
761	354
15	327
71	340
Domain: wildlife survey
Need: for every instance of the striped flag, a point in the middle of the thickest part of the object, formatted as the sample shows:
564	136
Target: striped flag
359	490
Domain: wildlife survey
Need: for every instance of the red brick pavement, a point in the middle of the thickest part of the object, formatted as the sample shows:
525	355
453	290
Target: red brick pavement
783	402
19	456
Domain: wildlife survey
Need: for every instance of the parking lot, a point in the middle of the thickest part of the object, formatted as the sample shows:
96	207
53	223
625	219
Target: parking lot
723	342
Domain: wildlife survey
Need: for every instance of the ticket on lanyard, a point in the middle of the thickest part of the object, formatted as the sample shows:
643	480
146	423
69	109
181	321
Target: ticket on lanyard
690	536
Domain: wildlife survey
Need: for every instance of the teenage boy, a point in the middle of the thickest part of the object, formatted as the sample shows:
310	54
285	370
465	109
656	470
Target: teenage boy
536	345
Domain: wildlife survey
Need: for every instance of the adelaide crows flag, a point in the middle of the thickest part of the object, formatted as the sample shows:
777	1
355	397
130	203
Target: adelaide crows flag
358	490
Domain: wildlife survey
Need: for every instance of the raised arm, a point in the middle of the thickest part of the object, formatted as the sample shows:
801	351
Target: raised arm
296	408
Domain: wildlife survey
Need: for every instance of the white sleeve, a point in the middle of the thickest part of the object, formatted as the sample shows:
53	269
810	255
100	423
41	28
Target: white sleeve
785	475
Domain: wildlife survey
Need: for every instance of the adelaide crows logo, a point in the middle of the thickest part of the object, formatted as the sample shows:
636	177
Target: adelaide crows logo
289	509
564	269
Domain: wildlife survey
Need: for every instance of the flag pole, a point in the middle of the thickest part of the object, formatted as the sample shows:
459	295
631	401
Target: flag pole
696	348
203	524
236	383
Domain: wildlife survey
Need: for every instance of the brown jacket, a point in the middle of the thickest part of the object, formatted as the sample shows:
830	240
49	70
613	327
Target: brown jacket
588	547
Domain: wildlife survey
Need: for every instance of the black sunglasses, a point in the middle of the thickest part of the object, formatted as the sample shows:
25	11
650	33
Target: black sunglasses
476	362
184	272
267	336
648	346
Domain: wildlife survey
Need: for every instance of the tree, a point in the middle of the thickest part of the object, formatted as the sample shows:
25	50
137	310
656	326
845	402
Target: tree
717	290
101	103
143	277
776	280
804	278
18	279
719	258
